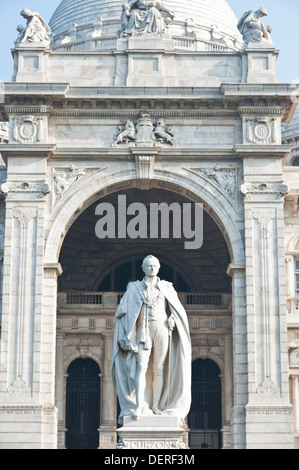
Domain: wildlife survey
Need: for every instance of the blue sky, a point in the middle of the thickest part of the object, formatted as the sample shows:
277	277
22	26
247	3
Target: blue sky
284	17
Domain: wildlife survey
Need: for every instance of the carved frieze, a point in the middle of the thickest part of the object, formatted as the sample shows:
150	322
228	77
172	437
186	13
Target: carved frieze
64	179
224	178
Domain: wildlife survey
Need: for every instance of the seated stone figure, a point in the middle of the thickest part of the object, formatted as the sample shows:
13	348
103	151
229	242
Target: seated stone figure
36	30
252	28
145	16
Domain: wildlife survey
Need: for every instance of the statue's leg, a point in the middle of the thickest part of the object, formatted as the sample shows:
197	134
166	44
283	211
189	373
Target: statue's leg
159	357
140	379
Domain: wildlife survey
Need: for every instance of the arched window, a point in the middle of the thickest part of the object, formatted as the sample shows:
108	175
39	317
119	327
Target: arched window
295	162
83	405
205	417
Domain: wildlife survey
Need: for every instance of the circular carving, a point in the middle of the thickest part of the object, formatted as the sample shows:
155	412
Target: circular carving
27	130
262	131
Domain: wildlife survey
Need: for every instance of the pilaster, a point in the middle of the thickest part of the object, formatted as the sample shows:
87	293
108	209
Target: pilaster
28	341
107	429
268	412
239	356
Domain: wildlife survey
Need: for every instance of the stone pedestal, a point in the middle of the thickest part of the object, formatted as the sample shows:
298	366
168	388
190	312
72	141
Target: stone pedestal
151	432
259	65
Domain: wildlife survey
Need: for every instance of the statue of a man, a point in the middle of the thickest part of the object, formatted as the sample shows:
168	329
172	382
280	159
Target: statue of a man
36	30
252	28
151	364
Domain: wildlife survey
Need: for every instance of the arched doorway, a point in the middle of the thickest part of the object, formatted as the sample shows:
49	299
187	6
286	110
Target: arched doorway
205	417
93	267
83	404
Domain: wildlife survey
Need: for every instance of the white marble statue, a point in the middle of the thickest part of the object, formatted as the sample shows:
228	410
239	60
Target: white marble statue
36	30
145	16
252	28
151	363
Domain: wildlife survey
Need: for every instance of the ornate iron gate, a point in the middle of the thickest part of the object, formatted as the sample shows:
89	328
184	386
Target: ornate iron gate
205	416
83	405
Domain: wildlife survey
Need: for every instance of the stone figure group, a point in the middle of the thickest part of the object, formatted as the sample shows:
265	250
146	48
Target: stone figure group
145	132
37	29
252	28
151	362
145	16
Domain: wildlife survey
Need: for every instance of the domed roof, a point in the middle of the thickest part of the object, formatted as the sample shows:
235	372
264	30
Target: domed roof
204	13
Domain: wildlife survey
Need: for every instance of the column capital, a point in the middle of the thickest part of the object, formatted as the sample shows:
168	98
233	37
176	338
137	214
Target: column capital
53	269
233	268
263	192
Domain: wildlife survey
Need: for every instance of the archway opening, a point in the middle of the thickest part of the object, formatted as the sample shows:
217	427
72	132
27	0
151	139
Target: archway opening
83	396
91	264
96	272
205	417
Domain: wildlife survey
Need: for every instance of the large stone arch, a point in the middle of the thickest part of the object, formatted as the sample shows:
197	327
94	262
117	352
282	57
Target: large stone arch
99	184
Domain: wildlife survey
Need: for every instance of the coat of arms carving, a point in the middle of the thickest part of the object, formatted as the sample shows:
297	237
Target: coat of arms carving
144	133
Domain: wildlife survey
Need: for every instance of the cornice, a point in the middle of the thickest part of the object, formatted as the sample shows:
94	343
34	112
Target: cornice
21	151
161	153
262	151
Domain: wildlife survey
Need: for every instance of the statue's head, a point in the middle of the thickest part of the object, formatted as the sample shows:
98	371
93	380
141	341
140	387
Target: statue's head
262	12
26	13
151	266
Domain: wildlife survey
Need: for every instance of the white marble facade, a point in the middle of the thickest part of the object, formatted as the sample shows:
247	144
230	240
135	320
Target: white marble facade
221	109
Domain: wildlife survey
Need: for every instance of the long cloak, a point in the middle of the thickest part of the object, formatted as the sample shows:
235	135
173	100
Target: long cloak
176	393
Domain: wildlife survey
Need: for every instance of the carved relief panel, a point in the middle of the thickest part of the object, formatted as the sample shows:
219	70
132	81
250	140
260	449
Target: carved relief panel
28	129
261	130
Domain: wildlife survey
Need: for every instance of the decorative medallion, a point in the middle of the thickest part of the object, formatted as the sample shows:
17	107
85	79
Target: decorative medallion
28	129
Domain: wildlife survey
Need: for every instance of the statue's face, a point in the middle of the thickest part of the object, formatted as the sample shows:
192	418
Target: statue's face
151	267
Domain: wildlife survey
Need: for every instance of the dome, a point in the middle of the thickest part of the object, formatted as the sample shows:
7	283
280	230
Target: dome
197	17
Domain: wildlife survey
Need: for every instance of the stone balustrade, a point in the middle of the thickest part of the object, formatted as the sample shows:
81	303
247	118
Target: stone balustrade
110	300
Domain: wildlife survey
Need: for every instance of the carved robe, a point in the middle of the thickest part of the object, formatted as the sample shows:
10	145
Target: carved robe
176	394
